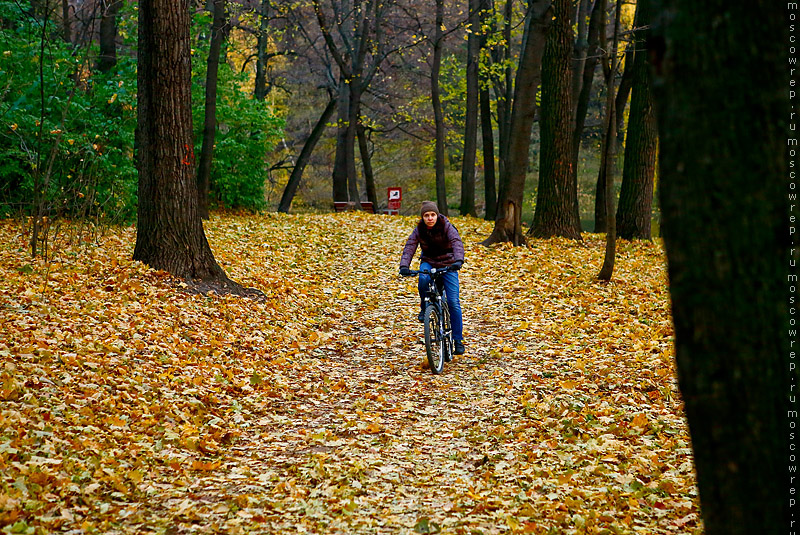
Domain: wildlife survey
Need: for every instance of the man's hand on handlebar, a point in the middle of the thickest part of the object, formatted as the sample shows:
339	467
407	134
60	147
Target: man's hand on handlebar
455	266
405	272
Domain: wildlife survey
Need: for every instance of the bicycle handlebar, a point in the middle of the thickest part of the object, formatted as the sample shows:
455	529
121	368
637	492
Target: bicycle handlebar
432	271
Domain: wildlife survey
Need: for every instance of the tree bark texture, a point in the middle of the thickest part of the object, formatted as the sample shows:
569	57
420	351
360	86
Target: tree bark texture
557	197
636	196
218	35
438	116
508	224
724	181
170	232
305	155
471	110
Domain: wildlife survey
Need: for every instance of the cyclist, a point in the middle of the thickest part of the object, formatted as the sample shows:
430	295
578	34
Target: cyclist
441	246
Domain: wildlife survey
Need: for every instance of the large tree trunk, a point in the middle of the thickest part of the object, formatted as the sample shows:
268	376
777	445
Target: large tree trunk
557	197
508	225
107	59
636	196
305	155
723	182
366	163
438	116
170	232
218	34
261	88
471	110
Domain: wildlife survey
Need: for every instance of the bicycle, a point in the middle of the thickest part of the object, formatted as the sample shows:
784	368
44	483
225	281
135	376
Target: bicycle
436	320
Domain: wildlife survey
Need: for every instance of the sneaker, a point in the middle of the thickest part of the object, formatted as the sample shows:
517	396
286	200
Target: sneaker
459	347
421	317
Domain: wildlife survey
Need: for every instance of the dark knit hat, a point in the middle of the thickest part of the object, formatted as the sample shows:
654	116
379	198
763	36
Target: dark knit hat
428	206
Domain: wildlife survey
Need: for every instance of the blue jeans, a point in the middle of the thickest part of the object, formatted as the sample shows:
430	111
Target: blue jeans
453	302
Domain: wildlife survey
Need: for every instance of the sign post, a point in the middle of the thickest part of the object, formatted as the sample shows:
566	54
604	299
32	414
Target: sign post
395	196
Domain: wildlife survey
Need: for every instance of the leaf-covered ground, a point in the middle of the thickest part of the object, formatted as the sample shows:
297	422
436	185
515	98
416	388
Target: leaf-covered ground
130	405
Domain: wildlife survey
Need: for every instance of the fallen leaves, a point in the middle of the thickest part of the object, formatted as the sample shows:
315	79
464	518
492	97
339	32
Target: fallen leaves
130	405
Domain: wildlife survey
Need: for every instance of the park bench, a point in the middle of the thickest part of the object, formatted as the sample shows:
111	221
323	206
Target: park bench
342	206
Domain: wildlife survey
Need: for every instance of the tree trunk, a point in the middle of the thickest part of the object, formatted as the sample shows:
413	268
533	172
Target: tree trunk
600	219
305	155
170	232
107	59
723	182
625	85
438	116
508	225
66	23
340	160
218	35
597	24
580	50
556	199
471	110
636	196
610	156
487	133
261	89
504	93
350	141
623	92
366	162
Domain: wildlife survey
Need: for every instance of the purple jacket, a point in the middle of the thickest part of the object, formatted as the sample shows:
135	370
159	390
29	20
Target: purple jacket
441	246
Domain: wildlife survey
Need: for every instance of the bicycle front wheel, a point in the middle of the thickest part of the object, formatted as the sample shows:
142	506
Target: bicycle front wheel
434	343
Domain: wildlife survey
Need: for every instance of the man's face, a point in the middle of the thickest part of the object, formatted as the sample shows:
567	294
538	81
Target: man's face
429	218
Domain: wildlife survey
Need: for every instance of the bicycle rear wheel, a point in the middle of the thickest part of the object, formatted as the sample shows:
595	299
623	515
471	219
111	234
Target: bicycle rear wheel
434	344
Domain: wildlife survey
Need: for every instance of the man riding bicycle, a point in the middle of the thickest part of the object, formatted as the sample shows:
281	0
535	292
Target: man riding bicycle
441	247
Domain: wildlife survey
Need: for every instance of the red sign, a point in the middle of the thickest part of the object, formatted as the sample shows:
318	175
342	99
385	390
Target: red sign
395	196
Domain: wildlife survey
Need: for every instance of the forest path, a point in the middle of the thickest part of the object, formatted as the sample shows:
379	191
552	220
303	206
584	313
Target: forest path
131	406
560	415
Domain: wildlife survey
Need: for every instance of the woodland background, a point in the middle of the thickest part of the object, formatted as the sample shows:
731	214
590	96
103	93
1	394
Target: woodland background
168	127
70	104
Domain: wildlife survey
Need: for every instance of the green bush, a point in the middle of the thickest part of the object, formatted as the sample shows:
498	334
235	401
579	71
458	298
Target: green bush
67	132
247	131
